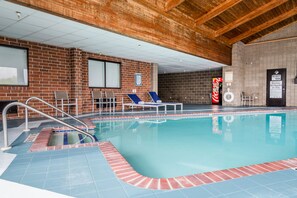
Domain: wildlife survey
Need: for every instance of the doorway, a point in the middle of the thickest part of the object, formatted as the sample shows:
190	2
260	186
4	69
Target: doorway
276	87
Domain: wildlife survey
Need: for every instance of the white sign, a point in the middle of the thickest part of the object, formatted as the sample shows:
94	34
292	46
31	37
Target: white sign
229	77
275	89
276	77
138	79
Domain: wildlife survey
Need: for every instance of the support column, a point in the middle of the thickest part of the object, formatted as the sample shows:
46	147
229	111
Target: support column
76	76
238	74
154	78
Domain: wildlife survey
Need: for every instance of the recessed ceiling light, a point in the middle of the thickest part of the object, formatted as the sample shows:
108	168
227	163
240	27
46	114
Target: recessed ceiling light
139	45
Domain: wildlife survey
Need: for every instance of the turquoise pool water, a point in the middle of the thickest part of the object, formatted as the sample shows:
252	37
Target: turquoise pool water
170	148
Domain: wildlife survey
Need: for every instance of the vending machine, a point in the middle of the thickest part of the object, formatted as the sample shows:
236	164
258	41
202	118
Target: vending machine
216	95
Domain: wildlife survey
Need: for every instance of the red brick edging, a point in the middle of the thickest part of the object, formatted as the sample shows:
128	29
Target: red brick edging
125	171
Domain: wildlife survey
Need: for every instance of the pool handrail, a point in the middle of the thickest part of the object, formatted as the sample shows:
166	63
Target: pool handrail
4	120
52	106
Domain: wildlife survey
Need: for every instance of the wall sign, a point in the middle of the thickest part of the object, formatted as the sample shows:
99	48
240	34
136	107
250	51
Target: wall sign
229	77
138	79
276	77
276	85
276	89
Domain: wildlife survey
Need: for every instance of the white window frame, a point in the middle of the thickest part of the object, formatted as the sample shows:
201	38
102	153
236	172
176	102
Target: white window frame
26	63
105	76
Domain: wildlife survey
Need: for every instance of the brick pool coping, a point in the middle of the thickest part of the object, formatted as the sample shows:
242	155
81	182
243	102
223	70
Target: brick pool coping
124	171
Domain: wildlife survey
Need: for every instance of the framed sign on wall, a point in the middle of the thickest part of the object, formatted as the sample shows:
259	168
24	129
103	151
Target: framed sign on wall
138	79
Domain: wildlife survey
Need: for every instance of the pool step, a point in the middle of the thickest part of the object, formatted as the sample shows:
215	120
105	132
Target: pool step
58	139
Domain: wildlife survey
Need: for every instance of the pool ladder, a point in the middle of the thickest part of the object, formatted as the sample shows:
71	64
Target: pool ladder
26	106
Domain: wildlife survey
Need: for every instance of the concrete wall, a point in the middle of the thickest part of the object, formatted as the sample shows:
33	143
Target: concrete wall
250	63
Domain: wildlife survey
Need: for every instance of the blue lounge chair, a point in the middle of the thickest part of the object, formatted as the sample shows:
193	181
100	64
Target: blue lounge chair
137	102
156	99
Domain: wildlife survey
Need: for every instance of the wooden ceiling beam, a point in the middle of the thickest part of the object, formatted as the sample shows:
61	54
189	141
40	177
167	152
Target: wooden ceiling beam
255	13
187	22
217	11
265	25
170	4
275	30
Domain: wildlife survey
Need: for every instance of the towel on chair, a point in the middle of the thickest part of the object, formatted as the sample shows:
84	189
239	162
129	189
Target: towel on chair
159	101
140	102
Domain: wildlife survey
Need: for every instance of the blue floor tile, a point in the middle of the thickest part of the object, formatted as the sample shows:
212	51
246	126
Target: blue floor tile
133	191
196	192
113	193
107	184
211	189
57	174
244	183
60	189
37	176
33	170
56	167
102	175
88	195
292	183
13	178
170	194
39	183
49	183
283	189
83	189
262	179
223	187
240	194
145	196
263	192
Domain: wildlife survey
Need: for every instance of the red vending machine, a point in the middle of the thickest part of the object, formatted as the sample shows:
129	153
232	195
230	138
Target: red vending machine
216	95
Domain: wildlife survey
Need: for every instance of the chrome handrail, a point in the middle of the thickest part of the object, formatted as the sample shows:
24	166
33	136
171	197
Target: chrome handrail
4	120
48	104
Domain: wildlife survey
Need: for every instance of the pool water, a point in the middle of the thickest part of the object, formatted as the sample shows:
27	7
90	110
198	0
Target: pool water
168	148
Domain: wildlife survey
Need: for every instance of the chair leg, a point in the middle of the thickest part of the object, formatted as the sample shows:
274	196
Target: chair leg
114	105
56	110
76	106
62	107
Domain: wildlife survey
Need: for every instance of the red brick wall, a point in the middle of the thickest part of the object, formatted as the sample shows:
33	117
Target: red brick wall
128	69
189	88
54	68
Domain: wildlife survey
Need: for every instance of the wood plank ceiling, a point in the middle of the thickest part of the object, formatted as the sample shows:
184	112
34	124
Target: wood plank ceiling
230	21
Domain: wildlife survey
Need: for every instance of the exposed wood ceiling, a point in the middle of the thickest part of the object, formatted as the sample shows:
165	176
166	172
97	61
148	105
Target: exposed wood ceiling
230	21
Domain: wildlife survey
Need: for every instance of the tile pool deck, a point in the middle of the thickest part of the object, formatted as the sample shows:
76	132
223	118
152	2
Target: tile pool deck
84	172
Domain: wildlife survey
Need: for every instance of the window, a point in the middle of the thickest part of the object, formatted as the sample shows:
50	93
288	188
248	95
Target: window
104	74
13	66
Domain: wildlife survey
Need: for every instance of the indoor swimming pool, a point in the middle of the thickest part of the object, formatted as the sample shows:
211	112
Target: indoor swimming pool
163	148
